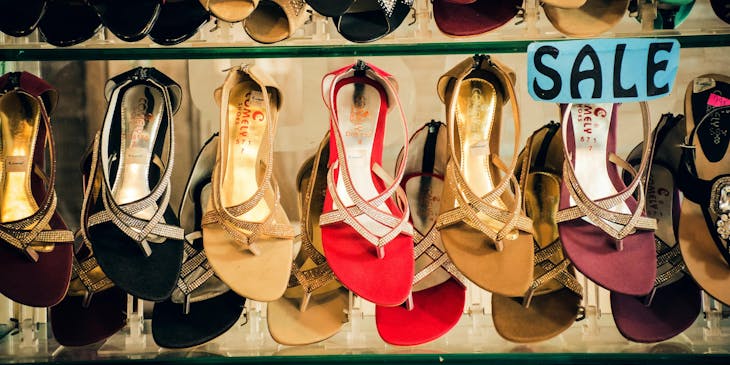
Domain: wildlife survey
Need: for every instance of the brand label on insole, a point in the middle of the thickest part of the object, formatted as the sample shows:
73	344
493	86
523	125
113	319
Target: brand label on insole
588	119
141	115
360	119
248	111
701	84
137	155
717	101
657	199
15	163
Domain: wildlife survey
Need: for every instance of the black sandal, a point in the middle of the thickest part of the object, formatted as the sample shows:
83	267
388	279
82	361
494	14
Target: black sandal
130	21
134	233
178	21
19	18
69	22
370	20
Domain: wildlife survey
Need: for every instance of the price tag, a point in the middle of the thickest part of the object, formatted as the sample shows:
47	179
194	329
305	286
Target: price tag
602	70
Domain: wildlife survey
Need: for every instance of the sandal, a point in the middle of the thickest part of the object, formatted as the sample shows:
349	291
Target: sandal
19	18
178	21
365	231
552	303
245	230
604	230
133	231
314	306
483	228
704	179
439	293
94	309
36	248
130	21
675	302
201	307
69	22
721	9
370	20
591	19
460	18
330	8
230	11
275	20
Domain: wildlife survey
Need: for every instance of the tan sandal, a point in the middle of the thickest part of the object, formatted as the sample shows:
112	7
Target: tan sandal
313	306
483	228
231	11
276	20
245	230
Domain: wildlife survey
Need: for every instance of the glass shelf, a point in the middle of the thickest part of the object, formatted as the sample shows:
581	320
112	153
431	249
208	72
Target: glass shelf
108	50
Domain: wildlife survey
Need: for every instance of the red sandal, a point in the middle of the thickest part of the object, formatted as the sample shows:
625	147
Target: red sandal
365	229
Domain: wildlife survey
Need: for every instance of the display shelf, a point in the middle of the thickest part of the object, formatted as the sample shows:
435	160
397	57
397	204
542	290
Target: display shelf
298	49
473	341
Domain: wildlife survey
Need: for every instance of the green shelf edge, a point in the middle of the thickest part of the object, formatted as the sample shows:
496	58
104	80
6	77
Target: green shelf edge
407	359
301	51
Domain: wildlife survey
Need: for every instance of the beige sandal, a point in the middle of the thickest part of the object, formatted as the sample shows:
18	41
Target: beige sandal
276	20
231	11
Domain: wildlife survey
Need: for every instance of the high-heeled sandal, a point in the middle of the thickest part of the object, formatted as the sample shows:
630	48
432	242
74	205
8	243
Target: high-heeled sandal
201	307
552	303
19	18
590	19
604	230
464	18
484	230
704	178
230	11
36	248
439	293
330	8
133	231
178	21
675	302
275	20
69	22
129	21
366	235
94	308
370	20
314	305
245	230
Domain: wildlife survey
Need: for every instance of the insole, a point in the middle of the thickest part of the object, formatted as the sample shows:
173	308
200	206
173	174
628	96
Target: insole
358	105
269	23
231	9
659	205
591	124
142	109
20	119
713	137
477	106
246	129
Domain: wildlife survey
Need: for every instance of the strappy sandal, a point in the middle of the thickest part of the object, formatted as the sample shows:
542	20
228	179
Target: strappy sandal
592	18
704	179
482	225
314	305
366	235
552	303
201	307
130	21
245	230
36	248
604	230
464	18
370	20
275	20
178	21
439	293
230	11
94	309
133	231
19	18
330	8
69	22
675	302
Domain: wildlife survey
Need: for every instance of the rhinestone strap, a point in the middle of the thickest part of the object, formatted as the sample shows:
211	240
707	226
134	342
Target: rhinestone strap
428	245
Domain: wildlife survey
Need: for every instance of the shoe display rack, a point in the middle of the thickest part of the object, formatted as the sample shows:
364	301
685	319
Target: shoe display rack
416	54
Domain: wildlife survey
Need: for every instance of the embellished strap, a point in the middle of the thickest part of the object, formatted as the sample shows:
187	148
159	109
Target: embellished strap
558	272
470	205
88	272
599	211
244	233
192	260
428	245
393	225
